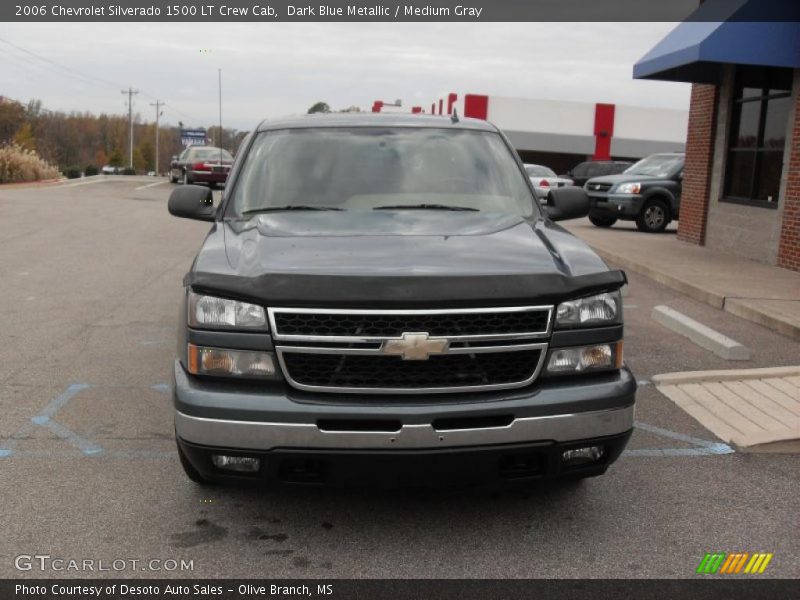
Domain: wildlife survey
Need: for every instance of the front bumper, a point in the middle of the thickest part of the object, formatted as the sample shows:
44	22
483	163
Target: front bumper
282	425
620	205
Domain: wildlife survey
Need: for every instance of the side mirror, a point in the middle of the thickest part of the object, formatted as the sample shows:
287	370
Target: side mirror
192	202
569	202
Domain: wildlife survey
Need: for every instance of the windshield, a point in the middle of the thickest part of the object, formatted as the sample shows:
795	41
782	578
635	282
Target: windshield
539	171
366	168
210	154
657	165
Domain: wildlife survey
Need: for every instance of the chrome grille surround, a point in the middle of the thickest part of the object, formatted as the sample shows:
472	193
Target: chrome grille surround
346	345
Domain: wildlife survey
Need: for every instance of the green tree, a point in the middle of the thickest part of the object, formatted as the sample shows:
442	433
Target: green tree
319	107
115	160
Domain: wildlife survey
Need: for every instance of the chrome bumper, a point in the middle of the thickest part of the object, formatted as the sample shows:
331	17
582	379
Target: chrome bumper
267	436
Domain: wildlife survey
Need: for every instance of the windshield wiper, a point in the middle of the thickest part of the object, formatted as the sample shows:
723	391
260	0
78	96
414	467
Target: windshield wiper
289	207
424	206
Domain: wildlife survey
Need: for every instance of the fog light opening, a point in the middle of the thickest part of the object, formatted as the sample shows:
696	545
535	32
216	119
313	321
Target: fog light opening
240	464
582	456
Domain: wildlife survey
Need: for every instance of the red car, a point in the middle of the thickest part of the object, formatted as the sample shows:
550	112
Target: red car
201	164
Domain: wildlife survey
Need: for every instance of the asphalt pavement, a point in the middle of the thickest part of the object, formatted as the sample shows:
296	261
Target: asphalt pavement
91	279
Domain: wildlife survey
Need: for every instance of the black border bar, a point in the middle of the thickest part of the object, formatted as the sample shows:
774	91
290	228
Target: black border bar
394	10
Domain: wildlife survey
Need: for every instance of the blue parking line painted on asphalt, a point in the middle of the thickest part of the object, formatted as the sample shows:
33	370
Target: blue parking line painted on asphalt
701	447
161	387
64	397
717	447
66	434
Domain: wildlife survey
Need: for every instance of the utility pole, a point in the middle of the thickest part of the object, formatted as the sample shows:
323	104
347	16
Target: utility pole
158	104
131	92
220	115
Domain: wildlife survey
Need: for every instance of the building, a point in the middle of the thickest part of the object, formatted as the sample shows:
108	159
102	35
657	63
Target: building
741	183
561	134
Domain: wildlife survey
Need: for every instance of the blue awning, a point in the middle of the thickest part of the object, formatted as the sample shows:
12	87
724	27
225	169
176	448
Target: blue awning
695	50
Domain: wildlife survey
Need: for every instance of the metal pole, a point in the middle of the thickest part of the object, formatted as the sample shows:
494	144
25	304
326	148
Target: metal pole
130	91
158	104
220	115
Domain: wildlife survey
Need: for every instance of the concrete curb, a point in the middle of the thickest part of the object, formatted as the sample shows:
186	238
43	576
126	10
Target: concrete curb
724	375
700	334
716	298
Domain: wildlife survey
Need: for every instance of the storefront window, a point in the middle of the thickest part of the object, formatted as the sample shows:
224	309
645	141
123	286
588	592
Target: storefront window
761	106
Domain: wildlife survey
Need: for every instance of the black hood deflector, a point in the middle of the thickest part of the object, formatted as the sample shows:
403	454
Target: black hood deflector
413	291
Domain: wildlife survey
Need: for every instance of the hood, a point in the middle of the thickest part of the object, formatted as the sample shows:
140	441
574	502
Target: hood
623	178
390	257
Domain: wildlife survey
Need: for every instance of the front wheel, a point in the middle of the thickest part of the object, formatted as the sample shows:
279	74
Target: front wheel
654	216
601	220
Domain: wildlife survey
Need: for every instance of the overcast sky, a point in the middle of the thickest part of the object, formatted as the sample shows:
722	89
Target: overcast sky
277	69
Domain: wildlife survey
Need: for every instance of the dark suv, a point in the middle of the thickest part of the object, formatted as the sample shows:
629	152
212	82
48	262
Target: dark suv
583	172
649	193
381	299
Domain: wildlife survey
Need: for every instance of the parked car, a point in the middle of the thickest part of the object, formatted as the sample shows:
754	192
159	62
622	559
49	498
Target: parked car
109	170
648	192
583	172
545	179
369	307
201	164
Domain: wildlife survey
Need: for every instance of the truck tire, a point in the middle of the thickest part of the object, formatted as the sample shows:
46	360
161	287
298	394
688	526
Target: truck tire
602	220
654	216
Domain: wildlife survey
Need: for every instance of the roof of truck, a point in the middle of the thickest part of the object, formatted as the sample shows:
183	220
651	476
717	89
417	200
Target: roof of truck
374	120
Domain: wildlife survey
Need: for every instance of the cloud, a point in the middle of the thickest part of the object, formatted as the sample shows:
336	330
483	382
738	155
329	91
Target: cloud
273	69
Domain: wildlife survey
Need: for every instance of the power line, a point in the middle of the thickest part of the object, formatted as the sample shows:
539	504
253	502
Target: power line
69	71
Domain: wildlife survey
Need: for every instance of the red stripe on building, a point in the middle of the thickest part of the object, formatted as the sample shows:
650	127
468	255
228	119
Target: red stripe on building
441	103
451	99
476	106
603	131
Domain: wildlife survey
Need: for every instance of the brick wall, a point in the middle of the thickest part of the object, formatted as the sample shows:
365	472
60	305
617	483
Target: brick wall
699	160
789	245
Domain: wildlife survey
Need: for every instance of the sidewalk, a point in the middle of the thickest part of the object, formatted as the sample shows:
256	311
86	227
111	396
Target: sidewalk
769	296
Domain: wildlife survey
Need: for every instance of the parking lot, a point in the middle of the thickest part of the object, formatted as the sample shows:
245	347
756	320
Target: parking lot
91	278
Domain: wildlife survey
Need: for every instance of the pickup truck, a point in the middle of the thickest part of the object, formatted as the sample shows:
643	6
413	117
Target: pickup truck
381	300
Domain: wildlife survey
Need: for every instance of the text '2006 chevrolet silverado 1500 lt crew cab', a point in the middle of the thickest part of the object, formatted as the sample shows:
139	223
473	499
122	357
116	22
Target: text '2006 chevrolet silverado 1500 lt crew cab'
381	298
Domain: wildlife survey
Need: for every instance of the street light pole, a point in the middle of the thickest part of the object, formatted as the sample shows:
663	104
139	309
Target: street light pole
219	71
131	92
158	104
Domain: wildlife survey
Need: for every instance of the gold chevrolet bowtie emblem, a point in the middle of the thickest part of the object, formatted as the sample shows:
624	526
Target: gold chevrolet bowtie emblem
415	346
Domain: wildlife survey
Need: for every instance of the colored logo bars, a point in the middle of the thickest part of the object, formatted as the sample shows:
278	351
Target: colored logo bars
733	563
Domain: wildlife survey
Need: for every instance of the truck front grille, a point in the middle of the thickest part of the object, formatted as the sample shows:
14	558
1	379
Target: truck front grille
410	351
380	372
322	324
598	187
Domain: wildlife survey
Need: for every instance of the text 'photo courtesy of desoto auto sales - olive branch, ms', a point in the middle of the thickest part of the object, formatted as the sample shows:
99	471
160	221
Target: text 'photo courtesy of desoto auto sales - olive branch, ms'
412	299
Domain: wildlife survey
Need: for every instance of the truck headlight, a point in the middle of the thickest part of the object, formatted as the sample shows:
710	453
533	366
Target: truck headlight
600	357
602	309
230	363
628	188
210	312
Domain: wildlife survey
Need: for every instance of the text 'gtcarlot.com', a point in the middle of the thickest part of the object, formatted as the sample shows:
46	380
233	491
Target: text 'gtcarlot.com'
45	562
